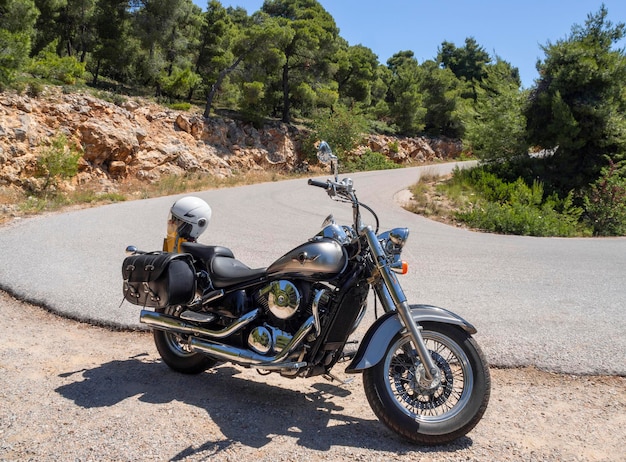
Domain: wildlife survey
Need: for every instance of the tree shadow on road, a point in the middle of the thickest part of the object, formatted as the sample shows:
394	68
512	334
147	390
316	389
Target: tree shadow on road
228	400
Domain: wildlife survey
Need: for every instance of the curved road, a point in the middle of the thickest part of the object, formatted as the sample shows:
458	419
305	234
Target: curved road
559	304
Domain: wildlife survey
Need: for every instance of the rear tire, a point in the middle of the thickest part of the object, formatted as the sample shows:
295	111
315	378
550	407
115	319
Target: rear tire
401	398
175	352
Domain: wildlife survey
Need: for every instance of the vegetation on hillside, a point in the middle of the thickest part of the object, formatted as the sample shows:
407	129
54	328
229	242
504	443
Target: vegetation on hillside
288	61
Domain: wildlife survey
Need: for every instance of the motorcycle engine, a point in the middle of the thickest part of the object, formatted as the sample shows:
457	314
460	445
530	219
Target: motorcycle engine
281	301
267	339
282	298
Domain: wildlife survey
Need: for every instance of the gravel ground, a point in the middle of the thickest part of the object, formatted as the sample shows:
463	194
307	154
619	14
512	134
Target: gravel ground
71	391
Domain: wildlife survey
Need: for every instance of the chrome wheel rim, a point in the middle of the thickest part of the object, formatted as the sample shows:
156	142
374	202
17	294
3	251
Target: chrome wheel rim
418	398
176	343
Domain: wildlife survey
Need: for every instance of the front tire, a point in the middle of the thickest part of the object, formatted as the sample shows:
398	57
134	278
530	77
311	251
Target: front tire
175	352
409	405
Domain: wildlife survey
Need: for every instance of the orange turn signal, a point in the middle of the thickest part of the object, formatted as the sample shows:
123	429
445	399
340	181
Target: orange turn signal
400	267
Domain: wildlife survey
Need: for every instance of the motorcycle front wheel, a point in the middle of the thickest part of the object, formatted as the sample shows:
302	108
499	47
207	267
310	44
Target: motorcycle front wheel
419	410
175	352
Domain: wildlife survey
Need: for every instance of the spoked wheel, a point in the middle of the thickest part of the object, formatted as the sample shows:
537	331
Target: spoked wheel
175	352
430	411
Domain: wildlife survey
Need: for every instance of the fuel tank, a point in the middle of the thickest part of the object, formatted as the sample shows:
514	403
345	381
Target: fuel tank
318	258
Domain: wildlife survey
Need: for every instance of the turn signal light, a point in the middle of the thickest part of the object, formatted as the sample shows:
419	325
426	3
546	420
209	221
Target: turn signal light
400	267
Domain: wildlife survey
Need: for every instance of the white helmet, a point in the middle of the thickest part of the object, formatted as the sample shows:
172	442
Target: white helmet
192	215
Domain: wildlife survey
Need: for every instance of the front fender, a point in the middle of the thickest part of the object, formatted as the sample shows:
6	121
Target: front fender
379	335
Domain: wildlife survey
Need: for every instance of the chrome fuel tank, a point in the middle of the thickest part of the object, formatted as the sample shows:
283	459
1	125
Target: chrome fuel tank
318	258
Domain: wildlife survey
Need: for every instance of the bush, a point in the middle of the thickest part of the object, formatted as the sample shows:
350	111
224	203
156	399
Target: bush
179	106
35	89
48	65
605	202
250	103
516	208
58	161
341	128
519	219
179	82
368	161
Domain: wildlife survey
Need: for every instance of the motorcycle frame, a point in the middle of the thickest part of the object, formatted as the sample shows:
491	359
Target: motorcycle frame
390	292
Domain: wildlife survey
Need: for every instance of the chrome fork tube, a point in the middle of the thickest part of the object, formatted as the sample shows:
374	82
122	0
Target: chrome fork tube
396	294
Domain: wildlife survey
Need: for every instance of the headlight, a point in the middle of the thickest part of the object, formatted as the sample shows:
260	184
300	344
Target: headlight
393	240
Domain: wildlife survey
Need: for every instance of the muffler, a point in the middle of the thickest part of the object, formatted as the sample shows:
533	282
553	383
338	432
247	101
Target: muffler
172	324
247	357
224	352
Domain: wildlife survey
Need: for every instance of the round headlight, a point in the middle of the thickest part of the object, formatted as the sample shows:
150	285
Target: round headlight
399	236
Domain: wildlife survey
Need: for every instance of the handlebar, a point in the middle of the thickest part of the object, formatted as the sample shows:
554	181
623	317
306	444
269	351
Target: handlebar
320	184
344	189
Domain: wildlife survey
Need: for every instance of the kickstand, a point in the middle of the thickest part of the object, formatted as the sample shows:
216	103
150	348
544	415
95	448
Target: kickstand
331	378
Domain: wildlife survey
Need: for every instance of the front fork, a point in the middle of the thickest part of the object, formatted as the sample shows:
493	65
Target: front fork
392	297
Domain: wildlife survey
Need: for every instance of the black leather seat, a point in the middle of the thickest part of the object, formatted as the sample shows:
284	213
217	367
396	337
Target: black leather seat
221	264
206	253
228	271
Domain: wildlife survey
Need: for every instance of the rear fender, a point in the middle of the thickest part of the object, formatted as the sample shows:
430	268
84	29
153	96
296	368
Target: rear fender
379	336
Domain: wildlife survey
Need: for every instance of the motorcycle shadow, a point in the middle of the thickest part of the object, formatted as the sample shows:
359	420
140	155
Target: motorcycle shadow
247	410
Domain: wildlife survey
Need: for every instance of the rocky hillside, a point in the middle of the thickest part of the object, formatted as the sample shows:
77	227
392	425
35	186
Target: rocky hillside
139	139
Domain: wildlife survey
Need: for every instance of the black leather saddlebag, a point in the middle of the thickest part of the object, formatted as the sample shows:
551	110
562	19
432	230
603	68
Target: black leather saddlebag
159	279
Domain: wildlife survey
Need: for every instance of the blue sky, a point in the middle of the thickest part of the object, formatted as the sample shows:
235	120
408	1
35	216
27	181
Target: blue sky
514	31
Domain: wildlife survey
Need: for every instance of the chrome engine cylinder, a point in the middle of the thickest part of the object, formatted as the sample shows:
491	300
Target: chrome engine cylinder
282	298
265	339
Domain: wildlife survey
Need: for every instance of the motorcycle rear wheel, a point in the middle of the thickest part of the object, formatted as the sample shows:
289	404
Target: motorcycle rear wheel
175	351
403	400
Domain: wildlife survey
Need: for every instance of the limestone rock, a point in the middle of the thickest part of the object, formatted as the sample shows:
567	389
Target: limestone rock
141	139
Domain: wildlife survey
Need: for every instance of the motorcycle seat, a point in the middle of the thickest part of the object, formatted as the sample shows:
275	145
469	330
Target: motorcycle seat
206	253
221	264
226	271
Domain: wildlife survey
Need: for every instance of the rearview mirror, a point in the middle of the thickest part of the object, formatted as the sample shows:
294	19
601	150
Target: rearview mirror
325	155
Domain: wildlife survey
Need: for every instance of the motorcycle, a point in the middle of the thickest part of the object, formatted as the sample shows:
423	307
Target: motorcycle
424	375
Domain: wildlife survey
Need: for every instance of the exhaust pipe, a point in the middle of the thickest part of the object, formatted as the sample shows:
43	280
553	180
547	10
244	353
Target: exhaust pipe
224	352
172	324
249	358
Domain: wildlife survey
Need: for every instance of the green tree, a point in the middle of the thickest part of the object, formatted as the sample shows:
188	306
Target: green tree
69	24
215	43
467	63
17	20
46	27
578	105
75	31
406	108
169	34
115	48
443	101
256	42
356	72
495	126
307	54
379	106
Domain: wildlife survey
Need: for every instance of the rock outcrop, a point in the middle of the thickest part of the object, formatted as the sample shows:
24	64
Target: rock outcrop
143	140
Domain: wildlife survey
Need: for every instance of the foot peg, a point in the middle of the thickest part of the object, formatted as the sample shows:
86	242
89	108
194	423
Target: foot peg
194	316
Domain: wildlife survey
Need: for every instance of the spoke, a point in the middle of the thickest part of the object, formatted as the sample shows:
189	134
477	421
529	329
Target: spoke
404	374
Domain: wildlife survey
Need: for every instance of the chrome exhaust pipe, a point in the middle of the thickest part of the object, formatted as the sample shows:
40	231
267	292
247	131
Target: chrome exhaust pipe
249	358
172	324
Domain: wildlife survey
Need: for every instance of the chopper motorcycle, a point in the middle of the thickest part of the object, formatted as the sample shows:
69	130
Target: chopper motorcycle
424	375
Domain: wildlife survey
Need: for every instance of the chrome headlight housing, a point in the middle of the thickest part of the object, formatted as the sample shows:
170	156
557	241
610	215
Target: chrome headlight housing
393	240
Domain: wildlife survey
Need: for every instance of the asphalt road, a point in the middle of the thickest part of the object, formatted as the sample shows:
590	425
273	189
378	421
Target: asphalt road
558	304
